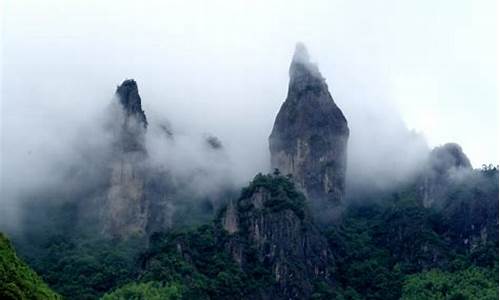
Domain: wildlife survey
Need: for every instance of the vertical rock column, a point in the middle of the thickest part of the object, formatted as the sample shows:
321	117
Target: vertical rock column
310	133
125	212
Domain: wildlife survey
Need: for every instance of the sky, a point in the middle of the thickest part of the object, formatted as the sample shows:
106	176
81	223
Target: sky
221	67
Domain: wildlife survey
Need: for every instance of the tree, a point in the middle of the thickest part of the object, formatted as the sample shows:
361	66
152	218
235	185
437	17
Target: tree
17	280
470	284
146	291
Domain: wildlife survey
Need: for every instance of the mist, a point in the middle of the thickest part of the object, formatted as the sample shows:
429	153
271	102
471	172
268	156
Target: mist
221	69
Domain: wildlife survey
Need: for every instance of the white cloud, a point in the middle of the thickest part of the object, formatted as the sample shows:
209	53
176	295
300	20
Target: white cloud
222	67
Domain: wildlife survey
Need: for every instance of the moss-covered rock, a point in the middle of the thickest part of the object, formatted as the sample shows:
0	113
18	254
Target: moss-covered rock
271	225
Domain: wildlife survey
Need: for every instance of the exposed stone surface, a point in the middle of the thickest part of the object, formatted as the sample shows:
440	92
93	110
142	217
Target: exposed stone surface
444	164
465	197
126	209
471	217
271	220
447	157
130	122
310	133
128	94
230	220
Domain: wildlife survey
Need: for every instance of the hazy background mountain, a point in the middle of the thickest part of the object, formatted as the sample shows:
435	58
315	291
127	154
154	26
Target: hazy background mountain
391	67
130	133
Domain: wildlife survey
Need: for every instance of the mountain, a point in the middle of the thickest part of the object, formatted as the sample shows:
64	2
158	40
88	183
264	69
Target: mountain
125	211
128	95
18	280
465	197
270	222
137	220
264	245
444	165
144	194
310	133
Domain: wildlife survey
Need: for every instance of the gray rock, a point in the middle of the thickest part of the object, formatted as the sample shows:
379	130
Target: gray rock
126	208
310	133
128	94
445	165
272	220
444	158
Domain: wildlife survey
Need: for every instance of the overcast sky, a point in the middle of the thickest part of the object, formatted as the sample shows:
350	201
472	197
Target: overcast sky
222	66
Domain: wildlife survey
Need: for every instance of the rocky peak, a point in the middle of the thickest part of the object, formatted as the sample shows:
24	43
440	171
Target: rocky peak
447	157
270	222
131	128
302	69
444	164
126	208
310	133
128	94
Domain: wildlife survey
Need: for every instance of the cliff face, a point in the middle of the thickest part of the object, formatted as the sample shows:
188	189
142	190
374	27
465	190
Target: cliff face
444	165
128	95
310	133
466	198
143	194
471	210
126	209
131	120
271	224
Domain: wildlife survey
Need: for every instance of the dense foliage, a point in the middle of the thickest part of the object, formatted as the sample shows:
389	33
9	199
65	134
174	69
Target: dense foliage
17	280
145	291
391	248
85	269
386	249
378	250
198	259
471	283
283	193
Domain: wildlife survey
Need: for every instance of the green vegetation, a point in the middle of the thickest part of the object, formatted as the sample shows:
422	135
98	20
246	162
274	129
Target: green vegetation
198	259
146	291
388	247
17	280
384	250
86	268
282	191
470	284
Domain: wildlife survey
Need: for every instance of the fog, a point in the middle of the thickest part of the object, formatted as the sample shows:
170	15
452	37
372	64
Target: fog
407	76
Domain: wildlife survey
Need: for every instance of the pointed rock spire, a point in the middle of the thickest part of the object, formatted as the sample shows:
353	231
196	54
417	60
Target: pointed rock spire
302	66
310	133
132	124
128	94
126	207
301	55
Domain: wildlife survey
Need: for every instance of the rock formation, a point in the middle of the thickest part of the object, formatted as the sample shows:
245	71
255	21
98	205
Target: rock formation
444	163
128	94
270	221
465	197
126	209
310	133
131	120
